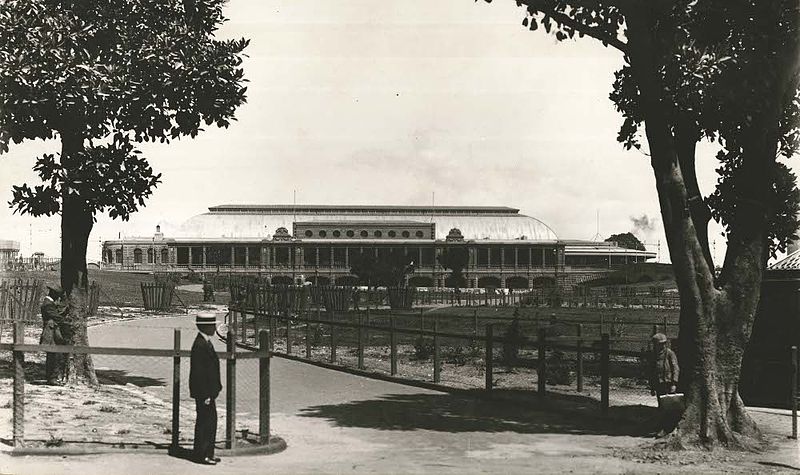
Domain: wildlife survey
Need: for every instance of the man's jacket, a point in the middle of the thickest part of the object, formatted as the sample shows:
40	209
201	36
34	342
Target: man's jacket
204	379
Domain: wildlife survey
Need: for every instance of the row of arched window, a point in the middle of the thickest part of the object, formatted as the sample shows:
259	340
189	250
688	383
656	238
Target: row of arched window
138	255
364	234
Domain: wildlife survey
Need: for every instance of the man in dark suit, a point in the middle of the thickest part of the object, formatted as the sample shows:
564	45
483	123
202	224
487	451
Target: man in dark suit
204	386
52	319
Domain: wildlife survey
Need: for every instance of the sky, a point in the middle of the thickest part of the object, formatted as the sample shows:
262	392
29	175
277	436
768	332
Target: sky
407	102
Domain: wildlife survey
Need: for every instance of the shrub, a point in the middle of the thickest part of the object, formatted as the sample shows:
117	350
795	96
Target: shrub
558	370
454	355
317	336
618	328
423	349
513	341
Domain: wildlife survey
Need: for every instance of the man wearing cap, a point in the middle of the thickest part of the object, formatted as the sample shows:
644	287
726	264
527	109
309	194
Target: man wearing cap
52	319
664	370
204	386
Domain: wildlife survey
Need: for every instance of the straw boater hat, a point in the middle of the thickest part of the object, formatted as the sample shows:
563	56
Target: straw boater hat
659	338
205	318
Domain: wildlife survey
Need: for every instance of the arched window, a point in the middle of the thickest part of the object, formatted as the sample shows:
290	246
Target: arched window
137	256
165	256
109	257
118	256
150	256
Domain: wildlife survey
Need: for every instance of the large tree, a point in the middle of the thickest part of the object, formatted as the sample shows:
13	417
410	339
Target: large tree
455	258
100	76
626	240
725	70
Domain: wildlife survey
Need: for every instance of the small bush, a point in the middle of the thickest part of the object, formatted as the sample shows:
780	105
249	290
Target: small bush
123	431
454	355
618	328
317	336
423	349
558	370
110	409
89	402
513	341
54	442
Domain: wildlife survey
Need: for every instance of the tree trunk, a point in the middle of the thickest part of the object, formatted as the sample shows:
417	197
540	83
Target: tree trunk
76	225
714	325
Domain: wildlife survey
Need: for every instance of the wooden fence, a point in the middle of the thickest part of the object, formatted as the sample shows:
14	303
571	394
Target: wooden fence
261	352
20	299
248	323
157	295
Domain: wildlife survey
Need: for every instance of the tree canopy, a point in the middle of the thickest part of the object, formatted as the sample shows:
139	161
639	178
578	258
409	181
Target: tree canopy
101	76
455	258
626	240
390	269
110	74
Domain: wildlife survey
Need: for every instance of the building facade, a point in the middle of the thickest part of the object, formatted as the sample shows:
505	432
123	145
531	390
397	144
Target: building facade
287	243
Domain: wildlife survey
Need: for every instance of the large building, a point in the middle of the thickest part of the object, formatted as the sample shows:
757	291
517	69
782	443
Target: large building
318	243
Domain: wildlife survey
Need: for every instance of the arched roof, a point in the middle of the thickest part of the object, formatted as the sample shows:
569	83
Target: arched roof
475	223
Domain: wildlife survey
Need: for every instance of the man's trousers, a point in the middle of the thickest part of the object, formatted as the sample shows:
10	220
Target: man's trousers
205	429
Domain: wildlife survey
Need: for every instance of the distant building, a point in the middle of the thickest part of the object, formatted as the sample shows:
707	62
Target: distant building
317	243
8	253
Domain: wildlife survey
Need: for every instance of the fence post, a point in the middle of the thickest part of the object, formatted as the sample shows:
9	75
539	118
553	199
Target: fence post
422	319
271	328
333	338
793	402
360	341
230	391
176	390
579	359
19	385
437	364
263	387
243	323
602	324
665	326
541	373
475	318
393	346
489	357
604	373
288	334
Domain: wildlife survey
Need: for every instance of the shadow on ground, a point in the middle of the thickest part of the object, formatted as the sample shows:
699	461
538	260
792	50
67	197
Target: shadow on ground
35	374
505	412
